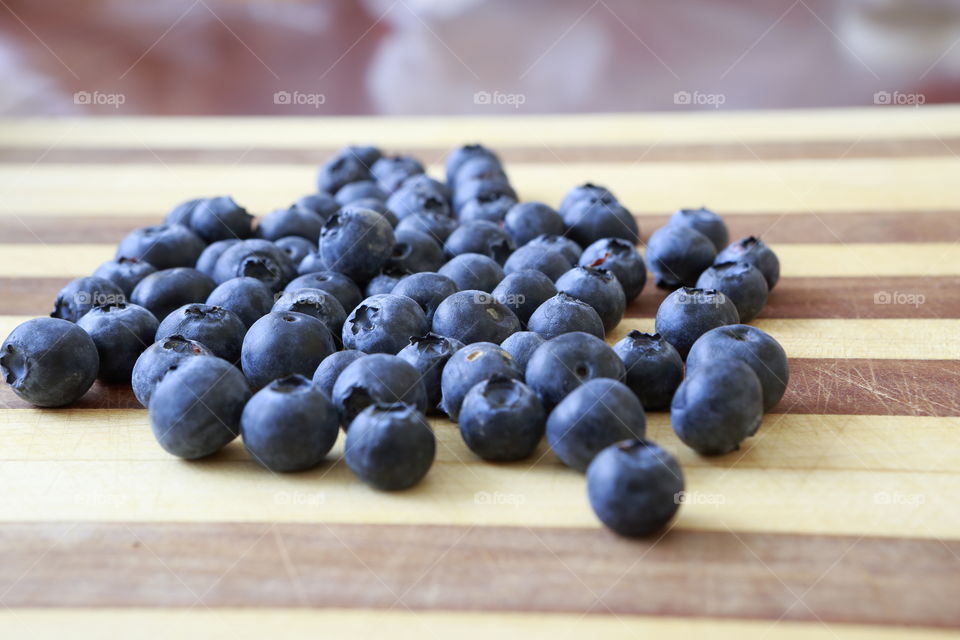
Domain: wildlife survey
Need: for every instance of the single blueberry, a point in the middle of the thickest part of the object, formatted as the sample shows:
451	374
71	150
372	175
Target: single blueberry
600	289
552	262
686	314
83	294
521	346
163	246
595	415
213	219
216	328
356	243
359	190
527	220
415	251
346	166
717	406
562	364
164	292
49	362
390	446
677	255
153	363
385	281
423	195
318	303
126	273
255	258
654	368
121	332
565	245
622	259
587	192
562	314
426	289
501	419
470	365
384	324
754	251
391	172
296	247
250	299
524	291
439	227
481	189
332	366
492	209
284	343
706	222
588	221
342	287
429	354
459	156
741	282
321	203
473	271
379	377
479	168
207	261
485	238
474	316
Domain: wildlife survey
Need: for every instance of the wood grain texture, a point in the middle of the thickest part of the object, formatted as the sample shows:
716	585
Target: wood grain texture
796	578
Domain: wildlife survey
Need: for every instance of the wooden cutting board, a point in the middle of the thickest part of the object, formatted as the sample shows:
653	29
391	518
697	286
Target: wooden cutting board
839	519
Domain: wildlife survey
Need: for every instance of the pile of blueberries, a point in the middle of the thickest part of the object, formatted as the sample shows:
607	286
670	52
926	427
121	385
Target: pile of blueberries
387	295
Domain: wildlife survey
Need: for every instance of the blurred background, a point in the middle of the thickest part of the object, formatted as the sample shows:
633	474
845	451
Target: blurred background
285	57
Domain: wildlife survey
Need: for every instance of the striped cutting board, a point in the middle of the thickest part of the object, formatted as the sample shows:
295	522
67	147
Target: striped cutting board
840	519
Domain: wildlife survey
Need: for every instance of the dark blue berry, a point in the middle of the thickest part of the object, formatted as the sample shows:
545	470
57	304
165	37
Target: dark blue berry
686	314
164	292
391	172
213	219
587	192
552	262
741	282
429	354
318	303
562	364
384	324
296	247
501	419
292	221
426	289
524	291
250	299
527	220
482	189
163	246
754	251
121	332
473	271
706	222
126	273
379	377
600	289
153	363
521	346
677	255
390	446
83	294
346	166
439	227
359	190
320	203
461	155
565	245
284	343
485	238
343	288
207	262
332	366
469	366
419	194
216	328
620	258
589	221
654	368
356	243
474	316
255	258
385	281
415	251
562	314
491	209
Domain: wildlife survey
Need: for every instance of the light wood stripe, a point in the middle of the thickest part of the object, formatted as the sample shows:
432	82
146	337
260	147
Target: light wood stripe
504	131
258	623
796	260
885	338
747	187
137	482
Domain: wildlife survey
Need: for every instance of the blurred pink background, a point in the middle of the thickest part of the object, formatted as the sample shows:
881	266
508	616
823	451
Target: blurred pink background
471	56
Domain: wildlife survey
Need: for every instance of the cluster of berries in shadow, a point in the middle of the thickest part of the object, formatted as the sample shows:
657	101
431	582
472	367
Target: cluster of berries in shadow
388	296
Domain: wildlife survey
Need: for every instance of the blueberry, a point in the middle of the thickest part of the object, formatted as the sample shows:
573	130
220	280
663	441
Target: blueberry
562	314
429	354
634	487
359	190
562	364
741	282
82	294
121	332
374	205
49	362
754	251
289	425
385	281
677	255
751	345
342	287
473	271
600	289
153	363
126	273
469	366
439	227
587	192
390	446
296	247
320	203
320	304
164	292
356	243
551	262
527	220
332	366
524	291
521	346
195	409
255	258
459	156
426	289
422	195
589	221
293	221
594	416
250	299
481	189
216	328
474	316
346	166
501	419
383	324
654	368
622	259
565	245
485	238
213	219
207	261
415	251
717	406
165	247
686	314
479	168
706	222
490	209
391	172
284	343
375	378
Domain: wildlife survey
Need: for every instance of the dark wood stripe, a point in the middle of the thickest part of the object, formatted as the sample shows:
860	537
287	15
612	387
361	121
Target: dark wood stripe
715	152
777	228
687	573
817	386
